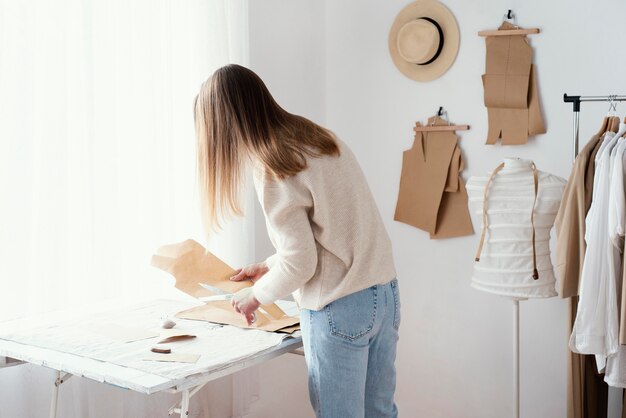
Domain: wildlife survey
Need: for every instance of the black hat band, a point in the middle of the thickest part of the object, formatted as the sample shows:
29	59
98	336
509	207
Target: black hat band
428	19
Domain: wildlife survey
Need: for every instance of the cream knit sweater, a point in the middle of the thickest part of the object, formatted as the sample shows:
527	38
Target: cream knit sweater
329	237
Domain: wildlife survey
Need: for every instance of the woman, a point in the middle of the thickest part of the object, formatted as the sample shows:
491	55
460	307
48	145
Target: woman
332	250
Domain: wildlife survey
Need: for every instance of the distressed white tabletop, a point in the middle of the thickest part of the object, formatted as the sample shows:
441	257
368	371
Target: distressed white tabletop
69	346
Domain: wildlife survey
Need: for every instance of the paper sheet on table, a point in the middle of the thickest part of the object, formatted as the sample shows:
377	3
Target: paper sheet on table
190	263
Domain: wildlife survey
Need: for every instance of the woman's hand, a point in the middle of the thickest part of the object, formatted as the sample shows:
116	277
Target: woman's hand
253	272
245	303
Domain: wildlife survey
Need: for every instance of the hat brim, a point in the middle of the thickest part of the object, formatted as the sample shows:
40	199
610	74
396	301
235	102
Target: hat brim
444	17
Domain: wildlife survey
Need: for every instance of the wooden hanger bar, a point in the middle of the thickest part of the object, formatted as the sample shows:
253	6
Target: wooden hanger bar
509	32
440	128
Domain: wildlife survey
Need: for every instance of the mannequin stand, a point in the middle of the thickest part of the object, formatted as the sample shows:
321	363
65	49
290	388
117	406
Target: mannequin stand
516	354
516	372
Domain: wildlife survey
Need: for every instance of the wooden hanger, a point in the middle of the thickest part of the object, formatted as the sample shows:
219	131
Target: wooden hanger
511	32
439	128
509	16
605	126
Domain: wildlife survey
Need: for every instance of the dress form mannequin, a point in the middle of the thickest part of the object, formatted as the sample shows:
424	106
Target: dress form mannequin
516	228
518	205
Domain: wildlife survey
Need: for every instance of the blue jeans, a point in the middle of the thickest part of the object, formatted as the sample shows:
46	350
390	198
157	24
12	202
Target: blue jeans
350	350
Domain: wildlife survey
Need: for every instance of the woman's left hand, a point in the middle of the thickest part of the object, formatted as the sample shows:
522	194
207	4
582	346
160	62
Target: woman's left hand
245	303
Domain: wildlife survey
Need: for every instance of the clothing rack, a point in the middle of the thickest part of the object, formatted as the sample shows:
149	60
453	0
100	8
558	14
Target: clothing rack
576	101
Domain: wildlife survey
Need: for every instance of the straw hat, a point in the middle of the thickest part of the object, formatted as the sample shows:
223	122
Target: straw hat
424	40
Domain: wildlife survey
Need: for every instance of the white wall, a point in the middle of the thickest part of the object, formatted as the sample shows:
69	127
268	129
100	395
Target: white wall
455	353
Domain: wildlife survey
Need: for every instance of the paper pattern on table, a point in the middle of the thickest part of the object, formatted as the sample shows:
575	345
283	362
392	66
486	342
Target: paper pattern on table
191	264
172	335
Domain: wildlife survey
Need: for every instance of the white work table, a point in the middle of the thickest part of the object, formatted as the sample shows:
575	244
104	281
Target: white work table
76	352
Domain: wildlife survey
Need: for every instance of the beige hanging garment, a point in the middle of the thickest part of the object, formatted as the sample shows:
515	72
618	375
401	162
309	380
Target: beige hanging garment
432	197
511	95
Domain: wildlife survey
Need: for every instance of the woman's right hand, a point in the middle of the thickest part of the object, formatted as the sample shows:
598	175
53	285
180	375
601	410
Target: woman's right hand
252	272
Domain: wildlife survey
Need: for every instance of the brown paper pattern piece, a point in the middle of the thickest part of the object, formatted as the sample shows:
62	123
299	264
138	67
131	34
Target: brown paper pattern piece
190	263
510	90
432	197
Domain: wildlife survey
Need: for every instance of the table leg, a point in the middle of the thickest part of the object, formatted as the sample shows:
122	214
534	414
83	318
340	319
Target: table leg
55	395
58	380
184	407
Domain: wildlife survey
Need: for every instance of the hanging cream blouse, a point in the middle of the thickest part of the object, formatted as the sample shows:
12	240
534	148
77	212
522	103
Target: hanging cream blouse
519	207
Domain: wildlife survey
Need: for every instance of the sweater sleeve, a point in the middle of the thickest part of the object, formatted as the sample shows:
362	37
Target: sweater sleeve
271	260
286	205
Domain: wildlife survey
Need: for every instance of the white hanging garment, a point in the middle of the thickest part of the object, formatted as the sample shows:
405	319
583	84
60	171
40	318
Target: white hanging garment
615	373
617	201
595	329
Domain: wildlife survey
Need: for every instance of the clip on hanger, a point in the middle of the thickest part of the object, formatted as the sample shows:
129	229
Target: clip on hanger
611	114
612	104
440	128
509	16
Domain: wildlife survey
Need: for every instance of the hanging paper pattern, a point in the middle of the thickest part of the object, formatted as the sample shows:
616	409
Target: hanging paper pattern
511	95
432	196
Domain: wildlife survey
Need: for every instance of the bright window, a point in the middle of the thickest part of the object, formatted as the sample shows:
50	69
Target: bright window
97	157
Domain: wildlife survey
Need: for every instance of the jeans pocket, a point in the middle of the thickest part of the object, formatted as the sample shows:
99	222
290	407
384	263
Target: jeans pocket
396	299
353	316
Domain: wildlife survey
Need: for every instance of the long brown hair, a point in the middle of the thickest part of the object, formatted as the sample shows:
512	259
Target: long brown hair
237	119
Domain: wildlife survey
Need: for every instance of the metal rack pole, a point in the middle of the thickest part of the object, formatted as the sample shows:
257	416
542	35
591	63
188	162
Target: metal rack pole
576	100
617	98
516	377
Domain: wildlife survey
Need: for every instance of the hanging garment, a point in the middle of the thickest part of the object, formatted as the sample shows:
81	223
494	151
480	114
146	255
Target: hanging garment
511	95
595	330
518	205
587	393
570	219
616	225
617	229
432	197
615	374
